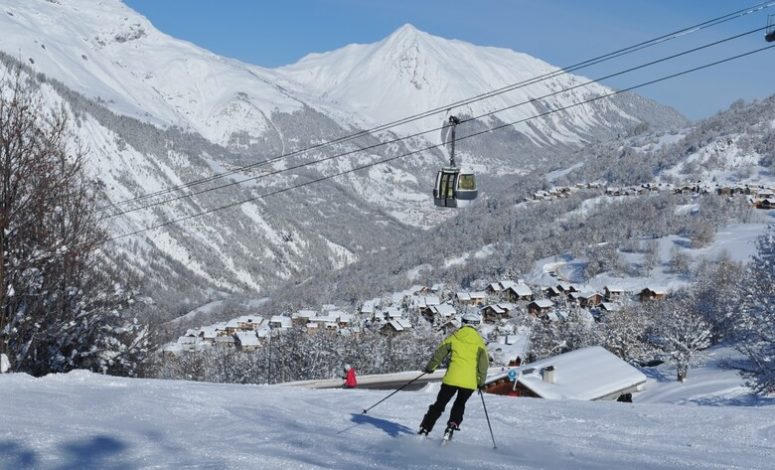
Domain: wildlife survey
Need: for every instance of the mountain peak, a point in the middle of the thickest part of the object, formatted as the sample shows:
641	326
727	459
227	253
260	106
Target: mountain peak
407	34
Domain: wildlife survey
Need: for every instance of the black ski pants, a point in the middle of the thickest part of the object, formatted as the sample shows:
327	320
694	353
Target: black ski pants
458	408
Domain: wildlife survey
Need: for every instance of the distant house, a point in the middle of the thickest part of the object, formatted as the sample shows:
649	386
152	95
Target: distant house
551	292
613	293
247	341
652	294
370	306
540	307
280	321
394	327
591	373
302	317
226	341
494	312
566	288
439	312
590	299
471	299
610	307
515	291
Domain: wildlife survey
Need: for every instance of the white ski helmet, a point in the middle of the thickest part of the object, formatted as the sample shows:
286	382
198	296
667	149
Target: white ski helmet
470	318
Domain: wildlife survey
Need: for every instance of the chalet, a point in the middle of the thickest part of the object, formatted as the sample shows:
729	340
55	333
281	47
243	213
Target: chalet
302	317
551	292
186	343
232	326
391	313
514	291
249	322
470	298
540	307
765	202
566	288
247	341
652	294
587	299
591	373
493	312
329	322
345	320
613	293
493	288
226	341
441	312
394	327
280	322
369	307
420	303
609	307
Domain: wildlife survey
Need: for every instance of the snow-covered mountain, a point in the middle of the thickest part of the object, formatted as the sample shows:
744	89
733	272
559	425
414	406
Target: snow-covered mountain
157	112
411	71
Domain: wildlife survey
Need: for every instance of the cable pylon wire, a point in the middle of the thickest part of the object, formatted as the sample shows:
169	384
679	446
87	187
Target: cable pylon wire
389	159
388	142
565	70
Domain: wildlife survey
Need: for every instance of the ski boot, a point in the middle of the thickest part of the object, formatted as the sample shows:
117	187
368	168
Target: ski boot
423	432
451	428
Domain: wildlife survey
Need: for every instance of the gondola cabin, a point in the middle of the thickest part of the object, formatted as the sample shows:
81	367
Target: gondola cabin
454	187
770	34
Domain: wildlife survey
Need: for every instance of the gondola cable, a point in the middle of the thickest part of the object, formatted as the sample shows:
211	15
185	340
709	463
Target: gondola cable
506	125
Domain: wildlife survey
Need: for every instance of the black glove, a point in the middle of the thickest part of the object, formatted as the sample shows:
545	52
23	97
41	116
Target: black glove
428	370
482	387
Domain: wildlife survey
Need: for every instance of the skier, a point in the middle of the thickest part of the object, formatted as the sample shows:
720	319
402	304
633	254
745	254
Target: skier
467	371
349	377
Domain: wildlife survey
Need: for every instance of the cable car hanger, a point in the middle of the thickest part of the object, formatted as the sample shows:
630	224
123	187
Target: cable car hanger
454	187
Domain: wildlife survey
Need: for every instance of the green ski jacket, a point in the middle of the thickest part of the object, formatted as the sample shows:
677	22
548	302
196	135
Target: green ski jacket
469	362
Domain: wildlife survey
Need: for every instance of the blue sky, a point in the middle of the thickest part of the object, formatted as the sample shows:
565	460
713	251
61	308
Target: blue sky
561	32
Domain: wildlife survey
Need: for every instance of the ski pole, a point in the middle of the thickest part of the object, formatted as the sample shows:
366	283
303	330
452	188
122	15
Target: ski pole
488	420
394	392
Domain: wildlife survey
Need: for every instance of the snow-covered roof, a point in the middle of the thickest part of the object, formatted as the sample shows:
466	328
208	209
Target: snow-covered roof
247	338
543	303
281	320
610	306
370	306
444	310
304	314
584	374
522	290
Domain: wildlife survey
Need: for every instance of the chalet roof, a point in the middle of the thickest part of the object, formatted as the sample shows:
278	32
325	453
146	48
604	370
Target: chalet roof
521	290
495	286
584	374
395	324
543	303
392	312
421	301
616	289
463	296
370	306
495	308
247	338
444	310
610	306
304	314
282	320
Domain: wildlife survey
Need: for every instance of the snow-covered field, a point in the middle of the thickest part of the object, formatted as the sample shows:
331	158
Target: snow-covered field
83	420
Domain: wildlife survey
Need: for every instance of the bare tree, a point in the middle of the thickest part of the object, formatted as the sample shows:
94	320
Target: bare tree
59	306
